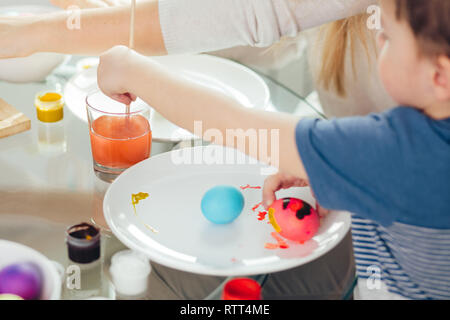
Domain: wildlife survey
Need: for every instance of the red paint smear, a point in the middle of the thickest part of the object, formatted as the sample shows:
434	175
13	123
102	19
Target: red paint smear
249	187
262	215
256	206
271	245
281	243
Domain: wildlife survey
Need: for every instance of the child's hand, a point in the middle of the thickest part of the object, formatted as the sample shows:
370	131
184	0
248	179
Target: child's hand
279	181
113	73
285	181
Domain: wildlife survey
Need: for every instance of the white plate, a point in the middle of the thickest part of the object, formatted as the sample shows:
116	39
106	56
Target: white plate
217	73
185	239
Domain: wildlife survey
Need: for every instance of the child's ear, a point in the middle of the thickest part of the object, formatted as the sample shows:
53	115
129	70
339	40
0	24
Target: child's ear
442	78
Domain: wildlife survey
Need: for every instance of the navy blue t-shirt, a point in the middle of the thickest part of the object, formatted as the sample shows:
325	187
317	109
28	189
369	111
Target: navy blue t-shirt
388	167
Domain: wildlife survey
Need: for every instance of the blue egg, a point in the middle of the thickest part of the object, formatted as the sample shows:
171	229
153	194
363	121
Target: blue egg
222	204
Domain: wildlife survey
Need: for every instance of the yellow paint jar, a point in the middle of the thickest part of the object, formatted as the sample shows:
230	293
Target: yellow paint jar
51	129
49	106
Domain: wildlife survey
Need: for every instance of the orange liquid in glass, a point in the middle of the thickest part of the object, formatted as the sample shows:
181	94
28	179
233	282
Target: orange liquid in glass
120	142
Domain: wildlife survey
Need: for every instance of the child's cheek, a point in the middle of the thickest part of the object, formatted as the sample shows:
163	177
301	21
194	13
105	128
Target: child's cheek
387	74
383	69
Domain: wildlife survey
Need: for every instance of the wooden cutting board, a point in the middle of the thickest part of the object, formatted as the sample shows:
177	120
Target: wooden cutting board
12	121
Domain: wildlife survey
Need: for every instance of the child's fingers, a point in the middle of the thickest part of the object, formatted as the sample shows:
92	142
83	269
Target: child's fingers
279	181
322	211
132	97
271	185
123	98
291	181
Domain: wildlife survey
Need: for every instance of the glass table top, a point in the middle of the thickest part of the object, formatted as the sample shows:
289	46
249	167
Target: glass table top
44	191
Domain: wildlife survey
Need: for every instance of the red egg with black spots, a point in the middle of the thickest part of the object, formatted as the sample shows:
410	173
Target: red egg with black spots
294	219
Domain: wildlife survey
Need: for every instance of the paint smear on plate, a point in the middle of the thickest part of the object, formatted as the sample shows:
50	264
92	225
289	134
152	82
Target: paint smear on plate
256	206
280	242
262	215
150	228
250	187
135	198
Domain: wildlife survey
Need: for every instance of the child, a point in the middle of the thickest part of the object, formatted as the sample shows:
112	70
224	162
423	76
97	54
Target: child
392	168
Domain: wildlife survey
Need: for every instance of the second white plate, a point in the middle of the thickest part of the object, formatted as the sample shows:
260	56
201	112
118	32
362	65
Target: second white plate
229	77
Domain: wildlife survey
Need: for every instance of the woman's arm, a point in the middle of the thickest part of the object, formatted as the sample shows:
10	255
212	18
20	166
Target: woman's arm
100	29
176	26
183	102
207	25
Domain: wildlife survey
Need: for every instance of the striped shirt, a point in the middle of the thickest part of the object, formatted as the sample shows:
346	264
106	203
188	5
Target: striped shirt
412	261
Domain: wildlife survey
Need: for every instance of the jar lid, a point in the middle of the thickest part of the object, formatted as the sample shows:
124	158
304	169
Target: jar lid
49	106
130	272
131	264
242	289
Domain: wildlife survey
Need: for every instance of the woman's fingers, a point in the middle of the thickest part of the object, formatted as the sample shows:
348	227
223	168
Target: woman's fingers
83	4
89	4
114	3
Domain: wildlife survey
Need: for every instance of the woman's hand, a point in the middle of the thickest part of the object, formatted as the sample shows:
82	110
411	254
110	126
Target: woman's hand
114	73
285	181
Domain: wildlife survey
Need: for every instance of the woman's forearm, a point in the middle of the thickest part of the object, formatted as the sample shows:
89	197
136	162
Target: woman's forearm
175	26
184	102
99	30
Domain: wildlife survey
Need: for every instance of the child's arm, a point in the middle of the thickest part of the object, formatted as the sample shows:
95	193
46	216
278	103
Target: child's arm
122	70
359	164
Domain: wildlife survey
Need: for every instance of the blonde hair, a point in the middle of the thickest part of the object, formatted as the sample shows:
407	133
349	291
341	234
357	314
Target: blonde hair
338	39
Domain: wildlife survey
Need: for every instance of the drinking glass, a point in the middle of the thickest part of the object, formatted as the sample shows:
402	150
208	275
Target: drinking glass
119	139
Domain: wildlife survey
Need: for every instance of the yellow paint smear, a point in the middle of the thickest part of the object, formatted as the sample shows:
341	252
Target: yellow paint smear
135	198
151	228
272	220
